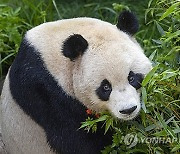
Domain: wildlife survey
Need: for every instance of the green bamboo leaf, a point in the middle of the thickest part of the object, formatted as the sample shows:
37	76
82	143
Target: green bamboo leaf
144	98
176	130
172	35
160	133
149	75
4	59
176	148
164	125
94	128
151	57
149	4
168	74
17	10
160	29
103	118
170	119
169	10
85	124
150	127
157	41
109	123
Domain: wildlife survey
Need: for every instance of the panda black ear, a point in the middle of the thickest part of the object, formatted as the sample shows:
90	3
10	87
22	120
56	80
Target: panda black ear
74	46
128	22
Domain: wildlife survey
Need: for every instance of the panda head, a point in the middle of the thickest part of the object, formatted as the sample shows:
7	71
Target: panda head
98	63
109	68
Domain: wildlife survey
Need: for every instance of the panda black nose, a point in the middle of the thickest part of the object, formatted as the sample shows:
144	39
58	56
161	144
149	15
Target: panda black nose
128	111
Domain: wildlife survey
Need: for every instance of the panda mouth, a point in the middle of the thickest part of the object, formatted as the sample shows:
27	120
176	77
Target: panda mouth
124	116
128	111
131	116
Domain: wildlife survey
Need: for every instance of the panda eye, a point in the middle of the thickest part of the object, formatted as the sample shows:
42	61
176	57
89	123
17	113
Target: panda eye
104	90
135	80
106	87
131	79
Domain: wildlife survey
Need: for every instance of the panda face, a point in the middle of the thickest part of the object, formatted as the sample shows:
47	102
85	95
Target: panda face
108	77
98	63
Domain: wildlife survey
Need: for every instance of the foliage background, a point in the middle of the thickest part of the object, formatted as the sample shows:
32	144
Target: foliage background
159	36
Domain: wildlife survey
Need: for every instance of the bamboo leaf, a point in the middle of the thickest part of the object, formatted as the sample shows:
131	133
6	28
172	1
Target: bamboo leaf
149	76
169	10
109	123
144	98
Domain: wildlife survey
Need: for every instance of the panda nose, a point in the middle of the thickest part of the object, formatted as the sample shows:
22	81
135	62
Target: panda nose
128	111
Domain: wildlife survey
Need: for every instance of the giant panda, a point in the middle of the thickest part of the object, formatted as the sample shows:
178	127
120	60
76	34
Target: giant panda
64	68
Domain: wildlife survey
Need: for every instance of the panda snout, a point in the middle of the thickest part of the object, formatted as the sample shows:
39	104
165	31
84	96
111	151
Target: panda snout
129	110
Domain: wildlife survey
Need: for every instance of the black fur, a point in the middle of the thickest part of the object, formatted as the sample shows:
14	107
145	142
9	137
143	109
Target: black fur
128	111
102	93
39	95
74	46
135	80
128	22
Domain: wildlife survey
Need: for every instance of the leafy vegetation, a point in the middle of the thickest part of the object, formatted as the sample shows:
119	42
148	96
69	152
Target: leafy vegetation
10	35
157	129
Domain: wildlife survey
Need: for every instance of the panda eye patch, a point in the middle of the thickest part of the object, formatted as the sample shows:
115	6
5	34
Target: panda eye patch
135	79
104	91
